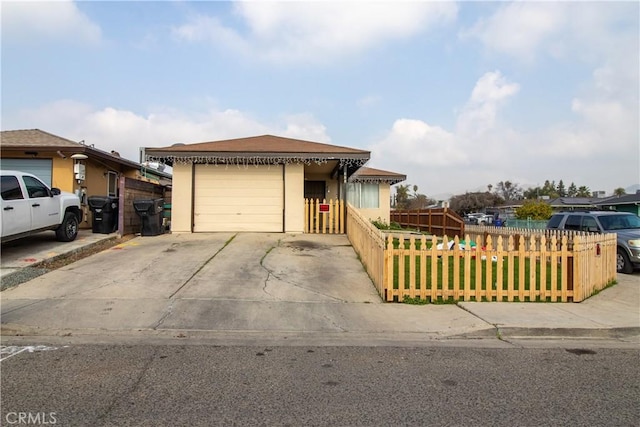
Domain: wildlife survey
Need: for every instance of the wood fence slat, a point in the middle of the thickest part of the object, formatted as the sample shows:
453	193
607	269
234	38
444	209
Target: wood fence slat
435	254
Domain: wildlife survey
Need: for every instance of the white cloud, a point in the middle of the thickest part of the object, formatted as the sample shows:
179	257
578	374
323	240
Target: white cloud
479	115
519	28
41	22
590	32
598	147
318	31
126	131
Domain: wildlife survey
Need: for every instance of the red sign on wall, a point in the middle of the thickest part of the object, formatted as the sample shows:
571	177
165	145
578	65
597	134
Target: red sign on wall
324	207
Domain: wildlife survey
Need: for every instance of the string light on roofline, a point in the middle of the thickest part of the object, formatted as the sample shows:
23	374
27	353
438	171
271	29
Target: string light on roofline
251	161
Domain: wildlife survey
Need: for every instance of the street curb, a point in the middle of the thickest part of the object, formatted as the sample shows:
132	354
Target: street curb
34	270
597	333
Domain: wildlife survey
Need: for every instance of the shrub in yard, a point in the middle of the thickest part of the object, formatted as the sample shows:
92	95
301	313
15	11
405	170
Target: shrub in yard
382	225
536	210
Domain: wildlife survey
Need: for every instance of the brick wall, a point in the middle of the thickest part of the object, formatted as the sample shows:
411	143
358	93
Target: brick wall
131	189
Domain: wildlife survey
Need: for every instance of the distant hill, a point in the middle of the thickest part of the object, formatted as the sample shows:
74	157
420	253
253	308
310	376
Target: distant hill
632	189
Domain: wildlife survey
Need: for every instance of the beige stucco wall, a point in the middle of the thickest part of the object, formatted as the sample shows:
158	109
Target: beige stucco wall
383	211
181	206
294	198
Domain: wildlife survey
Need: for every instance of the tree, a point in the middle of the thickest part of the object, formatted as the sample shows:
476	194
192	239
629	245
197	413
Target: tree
562	191
549	189
508	190
420	201
572	191
619	192
535	210
583	191
402	196
473	202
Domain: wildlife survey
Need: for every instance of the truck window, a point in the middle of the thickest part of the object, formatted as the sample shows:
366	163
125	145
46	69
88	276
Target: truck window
11	188
35	188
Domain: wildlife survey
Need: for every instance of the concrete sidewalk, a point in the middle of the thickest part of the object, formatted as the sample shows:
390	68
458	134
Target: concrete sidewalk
285	290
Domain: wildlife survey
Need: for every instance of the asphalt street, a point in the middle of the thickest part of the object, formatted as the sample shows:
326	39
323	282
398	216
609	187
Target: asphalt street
202	385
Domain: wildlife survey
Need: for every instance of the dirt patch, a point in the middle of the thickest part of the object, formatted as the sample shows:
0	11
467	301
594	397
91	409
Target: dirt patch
302	245
72	257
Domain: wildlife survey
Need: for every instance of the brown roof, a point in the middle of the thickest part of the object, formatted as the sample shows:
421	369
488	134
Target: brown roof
34	138
365	174
258	145
38	139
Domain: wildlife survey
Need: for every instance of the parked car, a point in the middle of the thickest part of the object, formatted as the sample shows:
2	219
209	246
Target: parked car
29	206
478	218
625	225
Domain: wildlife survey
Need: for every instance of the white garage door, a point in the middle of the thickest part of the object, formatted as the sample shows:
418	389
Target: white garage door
38	167
238	199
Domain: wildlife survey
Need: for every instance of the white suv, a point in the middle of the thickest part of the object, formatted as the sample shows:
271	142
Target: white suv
29	206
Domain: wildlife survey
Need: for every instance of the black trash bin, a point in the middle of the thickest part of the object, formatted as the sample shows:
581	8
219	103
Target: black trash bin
150	212
105	214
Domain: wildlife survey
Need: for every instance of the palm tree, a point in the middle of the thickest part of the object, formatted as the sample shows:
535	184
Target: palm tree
619	192
402	196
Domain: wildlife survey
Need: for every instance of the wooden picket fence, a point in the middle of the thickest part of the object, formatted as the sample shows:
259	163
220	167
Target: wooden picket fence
369	243
534	269
537	267
324	216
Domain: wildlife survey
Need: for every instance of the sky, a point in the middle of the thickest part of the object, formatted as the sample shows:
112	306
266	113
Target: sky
456	96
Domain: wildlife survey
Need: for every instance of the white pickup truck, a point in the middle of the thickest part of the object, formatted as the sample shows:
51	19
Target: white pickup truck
29	206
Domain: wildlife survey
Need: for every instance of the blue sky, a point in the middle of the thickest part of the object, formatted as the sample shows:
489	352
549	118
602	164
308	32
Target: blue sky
455	95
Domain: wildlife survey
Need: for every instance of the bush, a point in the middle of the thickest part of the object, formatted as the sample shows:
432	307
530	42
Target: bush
382	225
535	210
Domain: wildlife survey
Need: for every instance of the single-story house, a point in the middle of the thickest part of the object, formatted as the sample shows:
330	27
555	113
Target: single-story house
625	203
71	166
260	183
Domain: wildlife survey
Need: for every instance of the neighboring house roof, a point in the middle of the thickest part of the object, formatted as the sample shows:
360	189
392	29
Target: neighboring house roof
36	139
365	174
627	199
573	202
265	149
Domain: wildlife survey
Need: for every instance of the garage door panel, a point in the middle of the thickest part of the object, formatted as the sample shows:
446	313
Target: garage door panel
239	210
240	194
238	199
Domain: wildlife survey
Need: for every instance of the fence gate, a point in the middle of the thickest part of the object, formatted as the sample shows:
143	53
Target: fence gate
324	217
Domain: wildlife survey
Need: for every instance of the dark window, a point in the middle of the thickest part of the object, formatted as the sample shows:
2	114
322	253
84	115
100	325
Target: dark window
314	190
573	222
554	222
35	187
11	188
112	184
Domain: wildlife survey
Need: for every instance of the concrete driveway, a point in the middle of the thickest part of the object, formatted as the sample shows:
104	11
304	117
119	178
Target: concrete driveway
186	284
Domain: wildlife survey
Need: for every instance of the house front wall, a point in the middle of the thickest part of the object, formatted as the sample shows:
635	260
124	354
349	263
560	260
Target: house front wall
183	198
294	198
382	212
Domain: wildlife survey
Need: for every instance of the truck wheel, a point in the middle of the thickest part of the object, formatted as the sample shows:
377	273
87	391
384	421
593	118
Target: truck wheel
623	264
68	230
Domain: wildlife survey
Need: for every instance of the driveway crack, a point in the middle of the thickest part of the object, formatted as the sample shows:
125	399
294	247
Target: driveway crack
271	274
172	297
